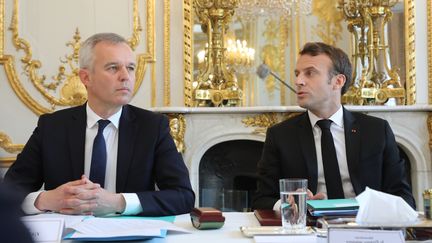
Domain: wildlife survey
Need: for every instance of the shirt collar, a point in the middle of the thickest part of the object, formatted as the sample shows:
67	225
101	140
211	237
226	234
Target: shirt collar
336	118
93	118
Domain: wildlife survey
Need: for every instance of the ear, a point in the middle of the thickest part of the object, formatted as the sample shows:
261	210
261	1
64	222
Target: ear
340	80
84	76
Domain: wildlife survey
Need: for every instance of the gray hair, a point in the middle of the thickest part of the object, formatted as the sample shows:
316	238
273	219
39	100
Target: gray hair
86	54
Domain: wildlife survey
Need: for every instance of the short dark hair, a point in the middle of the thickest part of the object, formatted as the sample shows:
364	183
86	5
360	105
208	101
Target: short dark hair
340	60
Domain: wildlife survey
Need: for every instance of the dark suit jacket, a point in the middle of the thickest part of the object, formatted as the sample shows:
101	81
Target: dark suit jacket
11	228
372	156
147	157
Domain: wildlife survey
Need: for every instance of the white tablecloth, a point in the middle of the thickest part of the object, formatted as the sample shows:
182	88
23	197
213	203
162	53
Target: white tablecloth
229	233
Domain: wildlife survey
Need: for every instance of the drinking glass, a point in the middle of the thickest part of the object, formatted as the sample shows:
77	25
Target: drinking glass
293	204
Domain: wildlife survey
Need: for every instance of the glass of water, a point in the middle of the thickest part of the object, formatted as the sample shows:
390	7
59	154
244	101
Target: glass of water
293	204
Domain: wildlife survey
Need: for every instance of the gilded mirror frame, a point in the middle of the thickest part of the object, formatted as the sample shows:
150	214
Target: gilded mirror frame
409	35
10	69
188	62
429	47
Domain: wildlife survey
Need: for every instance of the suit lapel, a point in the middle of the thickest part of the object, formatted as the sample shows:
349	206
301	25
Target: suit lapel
76	135
352	145
126	141
307	142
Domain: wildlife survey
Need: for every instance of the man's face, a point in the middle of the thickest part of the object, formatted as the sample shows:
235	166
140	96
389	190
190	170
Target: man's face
111	78
316	91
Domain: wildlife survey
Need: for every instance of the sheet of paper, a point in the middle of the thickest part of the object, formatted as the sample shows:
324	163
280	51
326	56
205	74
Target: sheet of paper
47	230
112	227
119	227
68	219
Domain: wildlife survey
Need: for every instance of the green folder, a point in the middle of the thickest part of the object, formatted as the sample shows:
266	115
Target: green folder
333	204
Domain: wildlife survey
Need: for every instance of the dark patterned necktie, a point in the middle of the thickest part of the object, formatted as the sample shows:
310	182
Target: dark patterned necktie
330	163
99	155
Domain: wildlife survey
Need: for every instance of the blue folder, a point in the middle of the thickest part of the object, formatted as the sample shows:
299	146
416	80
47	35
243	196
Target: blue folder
333	207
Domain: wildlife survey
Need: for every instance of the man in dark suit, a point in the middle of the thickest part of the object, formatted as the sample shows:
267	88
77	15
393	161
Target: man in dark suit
105	156
364	148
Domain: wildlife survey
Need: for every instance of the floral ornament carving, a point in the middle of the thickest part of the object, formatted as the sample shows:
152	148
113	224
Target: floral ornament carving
263	121
177	124
6	144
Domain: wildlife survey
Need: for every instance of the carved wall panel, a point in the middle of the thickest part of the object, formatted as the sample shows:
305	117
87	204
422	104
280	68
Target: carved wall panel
39	44
42	68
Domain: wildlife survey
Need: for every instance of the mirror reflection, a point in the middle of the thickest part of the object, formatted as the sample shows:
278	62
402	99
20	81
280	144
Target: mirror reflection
274	37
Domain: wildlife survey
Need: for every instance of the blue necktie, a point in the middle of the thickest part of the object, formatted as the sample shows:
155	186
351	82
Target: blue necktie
99	155
330	163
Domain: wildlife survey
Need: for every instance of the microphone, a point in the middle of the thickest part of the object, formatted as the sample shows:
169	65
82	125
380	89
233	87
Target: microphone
263	71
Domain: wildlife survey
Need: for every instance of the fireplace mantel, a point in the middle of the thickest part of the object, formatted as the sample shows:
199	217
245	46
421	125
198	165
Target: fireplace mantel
263	109
206	127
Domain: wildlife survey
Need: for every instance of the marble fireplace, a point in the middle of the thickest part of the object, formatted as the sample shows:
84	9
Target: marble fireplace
209	131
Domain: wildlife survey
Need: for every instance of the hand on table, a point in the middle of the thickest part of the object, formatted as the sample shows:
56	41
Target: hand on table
80	197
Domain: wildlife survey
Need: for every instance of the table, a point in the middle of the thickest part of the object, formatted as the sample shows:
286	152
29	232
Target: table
229	233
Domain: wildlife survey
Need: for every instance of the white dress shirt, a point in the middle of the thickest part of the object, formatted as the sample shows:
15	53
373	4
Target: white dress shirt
337	130
110	133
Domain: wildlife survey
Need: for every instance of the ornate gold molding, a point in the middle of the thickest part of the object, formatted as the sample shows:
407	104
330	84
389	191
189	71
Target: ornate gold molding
188	51
177	123
149	56
283	34
153	86
270	52
263	121
167	44
329	26
8	63
410	81
429	126
2	23
6	144
429	32
152	50
135	39
32	66
7	162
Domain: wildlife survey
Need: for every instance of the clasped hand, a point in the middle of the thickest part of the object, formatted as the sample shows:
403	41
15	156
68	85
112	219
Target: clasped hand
80	197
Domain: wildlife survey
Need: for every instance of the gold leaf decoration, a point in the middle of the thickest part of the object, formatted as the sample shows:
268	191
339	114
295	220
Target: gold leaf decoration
6	144
330	19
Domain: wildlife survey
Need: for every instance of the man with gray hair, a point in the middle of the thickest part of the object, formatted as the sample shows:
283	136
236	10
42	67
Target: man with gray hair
105	156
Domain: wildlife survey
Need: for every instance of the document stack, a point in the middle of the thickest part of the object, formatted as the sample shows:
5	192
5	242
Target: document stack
333	207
